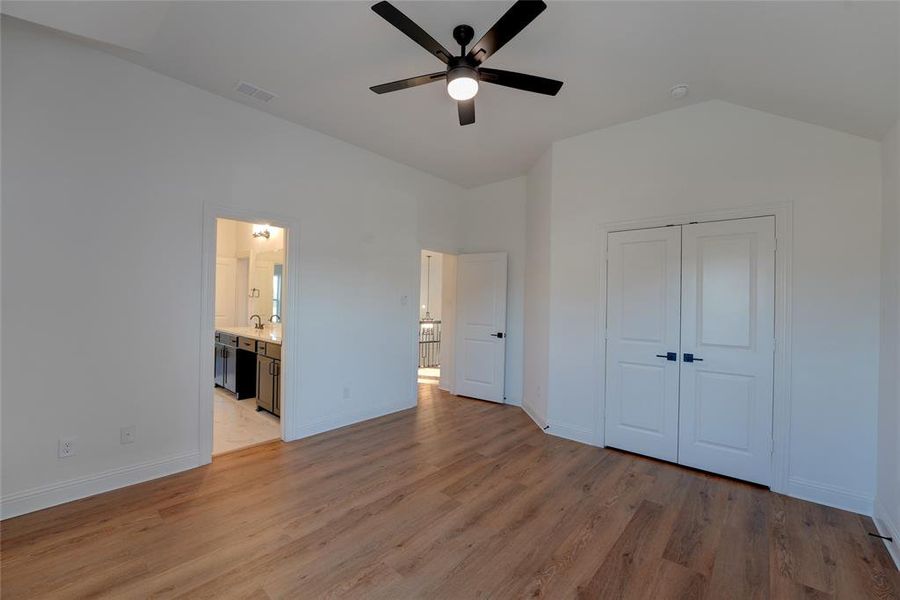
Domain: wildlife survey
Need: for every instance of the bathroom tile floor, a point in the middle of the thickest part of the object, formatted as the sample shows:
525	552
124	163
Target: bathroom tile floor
237	424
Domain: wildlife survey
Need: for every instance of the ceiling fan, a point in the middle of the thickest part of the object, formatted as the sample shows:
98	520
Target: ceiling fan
464	72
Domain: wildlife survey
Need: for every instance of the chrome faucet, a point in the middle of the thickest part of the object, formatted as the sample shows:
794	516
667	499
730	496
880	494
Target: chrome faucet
258	324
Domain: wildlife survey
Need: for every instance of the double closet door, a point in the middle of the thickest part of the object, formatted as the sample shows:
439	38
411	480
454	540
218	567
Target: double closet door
690	345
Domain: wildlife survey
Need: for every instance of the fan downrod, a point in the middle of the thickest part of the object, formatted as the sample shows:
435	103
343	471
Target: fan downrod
463	34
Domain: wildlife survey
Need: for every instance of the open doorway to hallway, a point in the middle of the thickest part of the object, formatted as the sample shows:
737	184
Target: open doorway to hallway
430	321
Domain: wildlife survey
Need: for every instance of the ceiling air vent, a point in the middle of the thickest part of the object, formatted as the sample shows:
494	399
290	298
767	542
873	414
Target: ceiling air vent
248	89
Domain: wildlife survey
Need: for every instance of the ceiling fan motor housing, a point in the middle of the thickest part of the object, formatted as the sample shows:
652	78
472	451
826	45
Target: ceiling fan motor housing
460	66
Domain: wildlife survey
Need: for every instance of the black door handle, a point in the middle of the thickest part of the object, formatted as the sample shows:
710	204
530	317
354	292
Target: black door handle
688	357
499	335
673	356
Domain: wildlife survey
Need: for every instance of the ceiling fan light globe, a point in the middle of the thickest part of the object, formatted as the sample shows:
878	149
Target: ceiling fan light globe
462	88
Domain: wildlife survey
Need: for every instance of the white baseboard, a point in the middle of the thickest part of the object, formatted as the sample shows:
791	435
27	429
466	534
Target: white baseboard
533	414
888	528
19	503
577	434
571	432
348	418
803	489
830	495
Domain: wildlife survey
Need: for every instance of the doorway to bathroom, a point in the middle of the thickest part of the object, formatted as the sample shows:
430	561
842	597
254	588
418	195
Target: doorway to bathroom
247	369
249	329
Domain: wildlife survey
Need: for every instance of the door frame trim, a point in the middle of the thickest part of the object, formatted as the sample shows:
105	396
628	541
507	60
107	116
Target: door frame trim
290	348
781	409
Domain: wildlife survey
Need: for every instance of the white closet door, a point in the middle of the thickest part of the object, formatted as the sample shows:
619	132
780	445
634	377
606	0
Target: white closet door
481	325
727	325
643	305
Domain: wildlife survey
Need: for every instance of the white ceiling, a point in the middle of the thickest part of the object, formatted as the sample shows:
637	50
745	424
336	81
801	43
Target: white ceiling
836	64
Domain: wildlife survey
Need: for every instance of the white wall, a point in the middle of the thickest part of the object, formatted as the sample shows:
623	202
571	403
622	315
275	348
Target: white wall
715	155
439	222
100	153
537	289
494	221
887	500
226	238
243	239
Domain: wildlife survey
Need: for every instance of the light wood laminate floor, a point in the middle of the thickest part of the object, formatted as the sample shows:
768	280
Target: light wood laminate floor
455	499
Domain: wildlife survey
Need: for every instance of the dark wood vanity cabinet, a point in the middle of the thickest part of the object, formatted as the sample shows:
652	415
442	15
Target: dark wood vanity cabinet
226	361
268	377
248	367
235	365
268	384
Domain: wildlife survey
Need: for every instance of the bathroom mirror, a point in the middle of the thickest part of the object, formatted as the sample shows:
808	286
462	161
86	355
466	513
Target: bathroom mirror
266	276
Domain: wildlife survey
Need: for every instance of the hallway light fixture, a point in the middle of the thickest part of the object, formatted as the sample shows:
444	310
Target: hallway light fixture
261	231
427	320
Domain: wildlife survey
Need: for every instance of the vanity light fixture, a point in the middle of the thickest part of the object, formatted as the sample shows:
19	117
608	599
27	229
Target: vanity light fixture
261	231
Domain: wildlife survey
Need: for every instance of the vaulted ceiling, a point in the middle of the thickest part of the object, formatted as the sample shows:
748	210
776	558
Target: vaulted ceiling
836	64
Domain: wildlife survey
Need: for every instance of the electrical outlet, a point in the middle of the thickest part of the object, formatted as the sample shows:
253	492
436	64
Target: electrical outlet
66	447
346	393
126	435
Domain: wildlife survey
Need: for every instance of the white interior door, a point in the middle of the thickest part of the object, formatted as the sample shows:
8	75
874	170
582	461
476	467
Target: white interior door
727	327
226	272
643	306
481	325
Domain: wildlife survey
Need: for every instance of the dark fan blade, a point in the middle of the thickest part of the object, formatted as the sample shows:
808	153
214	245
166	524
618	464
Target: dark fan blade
407	83
466	111
510	24
520	81
413	31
